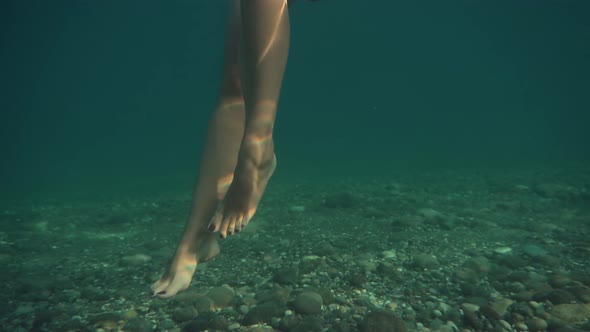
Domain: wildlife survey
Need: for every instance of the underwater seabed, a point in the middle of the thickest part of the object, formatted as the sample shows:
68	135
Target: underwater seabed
452	251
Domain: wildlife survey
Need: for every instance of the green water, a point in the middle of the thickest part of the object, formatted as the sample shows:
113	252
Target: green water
102	98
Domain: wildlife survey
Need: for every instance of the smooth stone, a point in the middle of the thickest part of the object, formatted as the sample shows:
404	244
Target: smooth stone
138	324
503	250
469	307
500	305
264	313
137	259
382	320
184	314
222	296
308	303
425	261
308	324
572	313
479	264
533	250
536	324
286	276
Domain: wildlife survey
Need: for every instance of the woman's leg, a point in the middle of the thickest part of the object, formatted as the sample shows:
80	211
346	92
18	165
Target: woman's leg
219	160
264	47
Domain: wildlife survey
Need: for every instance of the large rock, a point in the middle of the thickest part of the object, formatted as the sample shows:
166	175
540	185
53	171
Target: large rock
572	313
382	320
308	303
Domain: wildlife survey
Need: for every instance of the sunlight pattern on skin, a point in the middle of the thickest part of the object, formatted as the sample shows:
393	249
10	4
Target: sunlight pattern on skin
273	37
223	184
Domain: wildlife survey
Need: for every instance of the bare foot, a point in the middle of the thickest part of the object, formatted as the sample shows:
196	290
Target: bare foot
256	165
184	264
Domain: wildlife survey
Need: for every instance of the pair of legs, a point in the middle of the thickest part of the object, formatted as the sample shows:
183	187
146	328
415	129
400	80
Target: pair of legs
238	158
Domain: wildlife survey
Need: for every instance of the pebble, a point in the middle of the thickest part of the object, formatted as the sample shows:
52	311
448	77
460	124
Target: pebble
430	214
505	325
137	259
503	250
500	305
233	326
263	313
469	307
297	208
286	275
425	261
389	254
184	314
536	324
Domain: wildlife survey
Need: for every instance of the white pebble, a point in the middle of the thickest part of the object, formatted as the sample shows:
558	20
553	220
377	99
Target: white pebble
503	250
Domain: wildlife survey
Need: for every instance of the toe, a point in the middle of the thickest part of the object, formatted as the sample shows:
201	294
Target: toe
177	285
245	221
159	286
215	223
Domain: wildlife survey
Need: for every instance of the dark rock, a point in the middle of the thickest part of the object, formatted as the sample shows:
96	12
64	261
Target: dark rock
560	296
264	313
343	200
489	312
93	293
512	261
358	280
425	262
519	276
200	323
572	313
548	261
43	317
222	296
184	314
218	323
522	309
472	319
536	324
324	249
499	273
308	324
478	264
559	280
466	274
454	315
387	269
382	320
308	303
327	295
538	286
583	278
138	324
286	276
524	296
202	303
276	294
582	293
341	326
288	323
307	266
104	316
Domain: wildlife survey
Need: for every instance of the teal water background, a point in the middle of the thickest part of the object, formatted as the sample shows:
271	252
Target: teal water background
101	98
